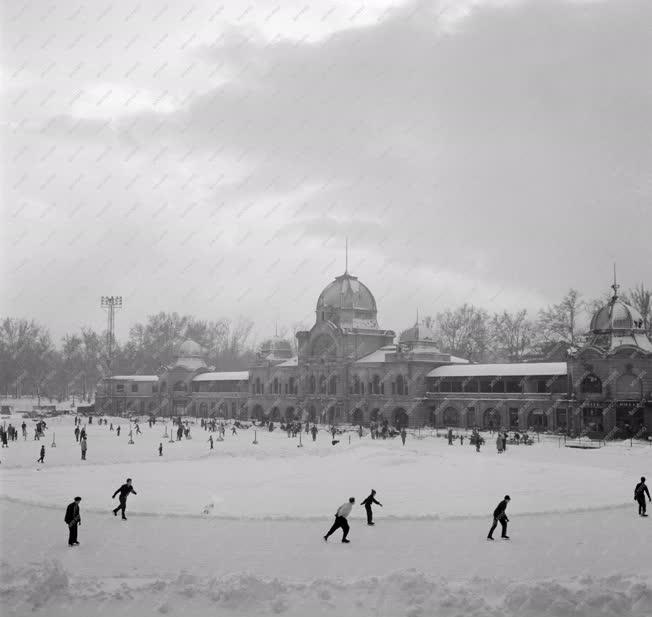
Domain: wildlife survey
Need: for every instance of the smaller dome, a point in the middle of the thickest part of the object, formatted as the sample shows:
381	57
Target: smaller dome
617	315
346	291
189	349
417	333
277	346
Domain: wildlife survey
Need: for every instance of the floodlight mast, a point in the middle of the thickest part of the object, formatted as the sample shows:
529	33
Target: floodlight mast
110	304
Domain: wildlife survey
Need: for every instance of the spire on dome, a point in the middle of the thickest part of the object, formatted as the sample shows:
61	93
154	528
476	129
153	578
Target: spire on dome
615	286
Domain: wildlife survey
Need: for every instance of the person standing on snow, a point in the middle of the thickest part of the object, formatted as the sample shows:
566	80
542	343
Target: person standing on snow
73	520
500	517
403	435
340	520
210	441
124	491
639	495
367	506
41	458
84	447
313	430
160	449
77	433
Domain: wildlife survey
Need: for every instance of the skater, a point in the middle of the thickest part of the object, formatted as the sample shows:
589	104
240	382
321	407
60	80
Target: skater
24	427
504	442
77	434
111	427
117	431
403	435
124	491
499	443
210	441
500	517
313	430
160	449
639	495
450	436
233	431
41	458
333	431
461	440
73	520
367	506
84	447
340	520
138	429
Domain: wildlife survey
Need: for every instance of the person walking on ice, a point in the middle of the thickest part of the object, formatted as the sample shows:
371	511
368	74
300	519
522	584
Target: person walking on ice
84	447
124	491
41	458
313	431
73	520
500	516
403	435
367	506
210	441
340	520
160	449
640	492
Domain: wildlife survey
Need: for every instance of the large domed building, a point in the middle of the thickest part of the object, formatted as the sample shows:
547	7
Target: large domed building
347	369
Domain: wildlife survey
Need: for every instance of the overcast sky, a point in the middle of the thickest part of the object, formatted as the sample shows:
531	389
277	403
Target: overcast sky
211	158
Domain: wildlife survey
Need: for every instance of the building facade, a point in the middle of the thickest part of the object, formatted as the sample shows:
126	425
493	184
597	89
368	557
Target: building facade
350	370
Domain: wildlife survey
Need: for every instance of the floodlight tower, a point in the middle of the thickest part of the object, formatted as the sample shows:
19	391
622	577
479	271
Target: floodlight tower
110	304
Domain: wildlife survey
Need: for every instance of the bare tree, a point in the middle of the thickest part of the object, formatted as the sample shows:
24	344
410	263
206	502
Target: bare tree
558	325
464	332
514	335
641	299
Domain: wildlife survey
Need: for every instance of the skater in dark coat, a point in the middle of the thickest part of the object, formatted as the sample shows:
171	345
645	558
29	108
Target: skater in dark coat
124	491
403	435
340	520
160	449
367	506
639	495
41	458
73	520
313	430
500	517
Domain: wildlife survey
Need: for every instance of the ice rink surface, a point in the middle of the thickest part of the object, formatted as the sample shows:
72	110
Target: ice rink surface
237	530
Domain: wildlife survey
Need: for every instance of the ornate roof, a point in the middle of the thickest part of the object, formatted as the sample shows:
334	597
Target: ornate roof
277	347
347	292
190	356
617	324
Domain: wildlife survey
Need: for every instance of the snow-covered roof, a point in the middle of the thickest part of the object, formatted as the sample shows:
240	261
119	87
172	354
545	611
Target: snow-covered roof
223	376
378	355
134	377
291	362
500	370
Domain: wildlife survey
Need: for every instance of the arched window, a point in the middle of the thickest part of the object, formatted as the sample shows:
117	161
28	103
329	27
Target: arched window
356	384
257	388
179	386
375	384
291	386
591	384
322	384
332	385
203	409
276	385
400	388
313	384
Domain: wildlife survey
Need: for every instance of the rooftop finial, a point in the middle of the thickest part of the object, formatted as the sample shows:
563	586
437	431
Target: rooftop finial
615	286
416	323
346	256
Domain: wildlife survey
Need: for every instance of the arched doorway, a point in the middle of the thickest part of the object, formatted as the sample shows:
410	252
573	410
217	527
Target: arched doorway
491	419
358	417
258	412
290	416
537	420
331	414
312	414
275	414
451	417
400	418
373	416
203	410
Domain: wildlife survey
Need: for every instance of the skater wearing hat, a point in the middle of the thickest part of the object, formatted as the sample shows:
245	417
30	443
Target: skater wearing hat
73	520
367	506
500	516
340	520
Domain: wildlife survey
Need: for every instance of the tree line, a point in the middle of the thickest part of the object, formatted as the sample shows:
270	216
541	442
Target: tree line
31	364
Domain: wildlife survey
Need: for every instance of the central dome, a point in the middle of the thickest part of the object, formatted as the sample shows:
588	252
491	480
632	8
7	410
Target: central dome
347	292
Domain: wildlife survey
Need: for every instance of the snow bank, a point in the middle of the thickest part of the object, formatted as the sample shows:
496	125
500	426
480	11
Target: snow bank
46	590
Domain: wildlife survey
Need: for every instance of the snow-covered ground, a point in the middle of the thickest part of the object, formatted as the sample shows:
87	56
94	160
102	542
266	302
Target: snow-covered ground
578	548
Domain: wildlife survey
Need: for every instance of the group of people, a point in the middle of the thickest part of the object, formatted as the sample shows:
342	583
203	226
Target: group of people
342	515
10	434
